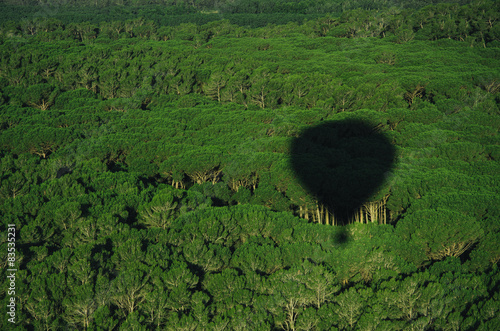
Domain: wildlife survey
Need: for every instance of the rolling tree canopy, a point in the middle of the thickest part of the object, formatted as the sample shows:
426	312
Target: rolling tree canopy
250	165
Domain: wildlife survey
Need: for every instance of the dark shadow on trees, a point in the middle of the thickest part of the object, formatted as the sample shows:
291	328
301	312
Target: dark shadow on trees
342	164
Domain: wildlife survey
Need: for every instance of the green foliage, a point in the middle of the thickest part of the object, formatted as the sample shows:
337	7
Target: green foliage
145	160
76	99
440	233
40	96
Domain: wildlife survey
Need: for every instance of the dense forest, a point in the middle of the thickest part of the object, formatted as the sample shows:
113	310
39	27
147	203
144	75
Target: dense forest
250	165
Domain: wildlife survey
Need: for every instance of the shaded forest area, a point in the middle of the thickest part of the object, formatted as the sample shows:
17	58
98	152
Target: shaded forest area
166	172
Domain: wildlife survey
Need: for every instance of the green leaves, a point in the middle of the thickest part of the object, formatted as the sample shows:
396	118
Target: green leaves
81	306
41	96
440	233
260	257
172	204
160	211
129	290
350	305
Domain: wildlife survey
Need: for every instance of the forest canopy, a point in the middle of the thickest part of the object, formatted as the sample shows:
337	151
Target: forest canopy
251	165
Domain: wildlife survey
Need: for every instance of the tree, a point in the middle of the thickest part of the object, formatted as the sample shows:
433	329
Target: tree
14	186
68	214
238	171
224	287
177	275
414	93
440	232
210	258
41	96
40	304
202	165
82	31
156	306
215	85
80	307
290	297
129	290
349	307
258	255
109	83
322	283
160	211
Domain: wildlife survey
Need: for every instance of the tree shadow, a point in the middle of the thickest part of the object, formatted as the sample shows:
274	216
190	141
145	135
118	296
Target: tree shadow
342	164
